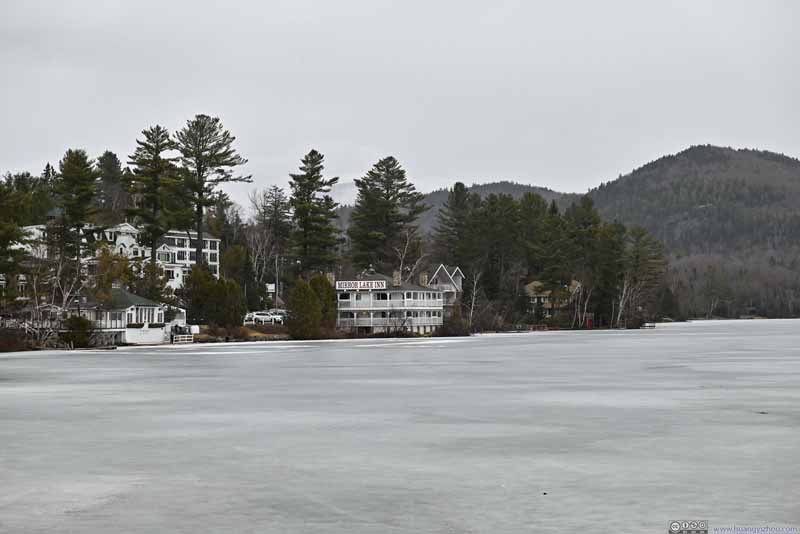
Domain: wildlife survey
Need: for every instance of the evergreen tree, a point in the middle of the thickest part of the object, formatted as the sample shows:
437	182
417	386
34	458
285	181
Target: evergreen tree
154	185
305	312
207	160
383	220
49	173
315	236
224	220
533	221
230	307
236	265
33	197
112	198
327	298
11	237
455	225
75	192
210	301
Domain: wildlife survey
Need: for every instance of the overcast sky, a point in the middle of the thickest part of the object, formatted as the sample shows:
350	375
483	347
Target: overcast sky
559	94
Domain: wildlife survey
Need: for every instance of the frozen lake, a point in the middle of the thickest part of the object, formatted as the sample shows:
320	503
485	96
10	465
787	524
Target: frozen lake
546	432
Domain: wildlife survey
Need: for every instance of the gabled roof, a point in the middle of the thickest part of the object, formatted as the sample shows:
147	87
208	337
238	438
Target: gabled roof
125	299
449	270
124	227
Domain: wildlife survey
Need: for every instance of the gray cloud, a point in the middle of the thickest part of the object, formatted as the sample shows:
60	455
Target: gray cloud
563	96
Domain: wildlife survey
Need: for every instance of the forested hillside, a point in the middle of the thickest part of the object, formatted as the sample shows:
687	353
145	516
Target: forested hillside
730	220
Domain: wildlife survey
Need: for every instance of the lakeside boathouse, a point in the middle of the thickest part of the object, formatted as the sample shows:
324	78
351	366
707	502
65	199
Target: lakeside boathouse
374	303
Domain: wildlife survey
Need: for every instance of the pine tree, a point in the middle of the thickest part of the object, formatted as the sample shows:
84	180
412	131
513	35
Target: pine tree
305	311
207	160
315	237
75	192
154	184
112	199
327	298
383	220
456	227
11	237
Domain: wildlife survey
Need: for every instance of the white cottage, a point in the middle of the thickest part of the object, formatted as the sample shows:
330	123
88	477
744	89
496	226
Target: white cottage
128	318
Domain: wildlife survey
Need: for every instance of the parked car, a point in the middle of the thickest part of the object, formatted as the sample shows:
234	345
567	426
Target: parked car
262	317
278	311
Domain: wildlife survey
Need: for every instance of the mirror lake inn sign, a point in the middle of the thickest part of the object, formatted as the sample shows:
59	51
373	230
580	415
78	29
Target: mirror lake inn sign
345	285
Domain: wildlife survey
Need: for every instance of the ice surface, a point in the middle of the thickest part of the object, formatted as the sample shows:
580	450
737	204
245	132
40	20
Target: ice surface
623	431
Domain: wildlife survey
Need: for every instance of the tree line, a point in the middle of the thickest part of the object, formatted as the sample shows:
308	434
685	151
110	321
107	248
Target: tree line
600	271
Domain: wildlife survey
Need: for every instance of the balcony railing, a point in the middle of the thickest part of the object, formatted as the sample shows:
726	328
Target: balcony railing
388	304
395	322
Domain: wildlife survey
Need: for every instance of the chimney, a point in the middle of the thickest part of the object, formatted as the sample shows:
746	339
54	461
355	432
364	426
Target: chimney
423	279
396	280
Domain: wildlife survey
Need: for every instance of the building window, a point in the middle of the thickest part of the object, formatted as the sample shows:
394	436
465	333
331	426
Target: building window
164	256
213	257
344	296
214	245
408	296
170	274
381	296
136	252
180	242
214	269
193	243
170	241
192	255
181	255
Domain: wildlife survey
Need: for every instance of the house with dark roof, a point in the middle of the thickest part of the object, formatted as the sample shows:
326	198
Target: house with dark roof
123	317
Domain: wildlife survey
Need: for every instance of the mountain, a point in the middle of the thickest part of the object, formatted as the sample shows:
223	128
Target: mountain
730	220
709	199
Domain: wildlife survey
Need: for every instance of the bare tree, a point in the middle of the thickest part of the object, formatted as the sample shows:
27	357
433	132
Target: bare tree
407	249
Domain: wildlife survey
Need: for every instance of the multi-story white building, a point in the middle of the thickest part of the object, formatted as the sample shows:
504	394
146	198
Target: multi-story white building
175	253
373	303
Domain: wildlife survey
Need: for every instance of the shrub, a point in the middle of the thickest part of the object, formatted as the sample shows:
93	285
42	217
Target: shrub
327	298
78	332
135	325
305	312
12	340
211	301
453	325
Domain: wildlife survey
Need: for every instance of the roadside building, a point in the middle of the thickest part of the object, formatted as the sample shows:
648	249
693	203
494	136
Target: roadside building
374	303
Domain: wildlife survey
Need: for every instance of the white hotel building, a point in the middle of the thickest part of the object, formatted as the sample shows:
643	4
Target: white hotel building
175	254
374	303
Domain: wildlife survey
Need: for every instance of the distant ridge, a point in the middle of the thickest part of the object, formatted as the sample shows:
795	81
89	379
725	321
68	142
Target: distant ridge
729	218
